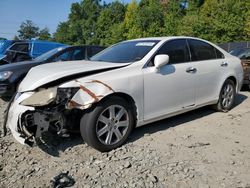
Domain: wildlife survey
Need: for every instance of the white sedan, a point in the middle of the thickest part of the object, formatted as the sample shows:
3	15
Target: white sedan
125	86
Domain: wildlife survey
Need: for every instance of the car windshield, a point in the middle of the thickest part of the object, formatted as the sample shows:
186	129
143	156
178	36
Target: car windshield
125	52
49	54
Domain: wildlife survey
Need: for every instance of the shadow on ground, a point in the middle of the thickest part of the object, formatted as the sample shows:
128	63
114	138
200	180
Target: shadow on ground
53	144
240	99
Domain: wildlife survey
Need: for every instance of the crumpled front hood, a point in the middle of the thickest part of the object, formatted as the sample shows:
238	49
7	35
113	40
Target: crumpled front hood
44	74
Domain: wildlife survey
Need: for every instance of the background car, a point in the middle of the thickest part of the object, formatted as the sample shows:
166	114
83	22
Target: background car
4	45
130	84
27	50
244	55
12	74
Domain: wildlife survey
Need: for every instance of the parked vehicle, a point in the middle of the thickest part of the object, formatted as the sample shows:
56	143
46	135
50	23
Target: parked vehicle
12	74
244	55
27	50
125	86
4	45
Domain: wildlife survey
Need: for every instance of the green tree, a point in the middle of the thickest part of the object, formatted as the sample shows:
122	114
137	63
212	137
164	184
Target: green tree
223	21
215	20
132	29
172	18
28	30
62	33
16	37
109	28
247	27
150	18
117	34
81	25
82	21
44	34
188	19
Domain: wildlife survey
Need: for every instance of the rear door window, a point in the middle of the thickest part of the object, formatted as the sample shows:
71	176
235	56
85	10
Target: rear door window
201	50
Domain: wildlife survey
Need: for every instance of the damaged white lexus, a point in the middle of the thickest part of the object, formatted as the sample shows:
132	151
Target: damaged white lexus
129	84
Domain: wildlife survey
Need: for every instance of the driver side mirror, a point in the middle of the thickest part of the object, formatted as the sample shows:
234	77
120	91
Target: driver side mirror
161	60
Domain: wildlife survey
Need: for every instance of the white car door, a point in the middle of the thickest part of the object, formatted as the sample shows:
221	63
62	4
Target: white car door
170	88
210	67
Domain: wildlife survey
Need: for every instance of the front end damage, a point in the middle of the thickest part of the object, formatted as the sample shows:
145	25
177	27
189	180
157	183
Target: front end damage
56	109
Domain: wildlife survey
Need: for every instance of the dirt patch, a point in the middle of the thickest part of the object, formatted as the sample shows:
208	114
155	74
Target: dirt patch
201	148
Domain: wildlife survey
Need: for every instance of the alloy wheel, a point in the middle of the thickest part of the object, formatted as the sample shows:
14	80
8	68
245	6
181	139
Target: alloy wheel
112	124
227	95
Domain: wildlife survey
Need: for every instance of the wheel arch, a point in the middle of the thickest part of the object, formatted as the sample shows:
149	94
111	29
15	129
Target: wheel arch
233	79
128	98
220	85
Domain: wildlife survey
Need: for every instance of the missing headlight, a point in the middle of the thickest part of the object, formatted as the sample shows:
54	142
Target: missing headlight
65	94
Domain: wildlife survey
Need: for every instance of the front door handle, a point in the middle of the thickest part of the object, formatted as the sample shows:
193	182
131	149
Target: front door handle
224	64
191	70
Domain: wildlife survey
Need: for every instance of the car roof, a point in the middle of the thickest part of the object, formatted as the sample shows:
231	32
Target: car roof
167	38
87	46
37	41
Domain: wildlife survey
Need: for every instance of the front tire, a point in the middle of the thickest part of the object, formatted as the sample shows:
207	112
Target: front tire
227	97
108	124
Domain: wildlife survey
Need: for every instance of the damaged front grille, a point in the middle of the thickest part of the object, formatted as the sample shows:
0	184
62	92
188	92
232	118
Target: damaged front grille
27	127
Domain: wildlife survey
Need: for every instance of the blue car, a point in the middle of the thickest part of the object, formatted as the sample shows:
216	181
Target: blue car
27	50
4	45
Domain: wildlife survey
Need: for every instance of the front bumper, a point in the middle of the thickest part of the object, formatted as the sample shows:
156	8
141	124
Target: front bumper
13	117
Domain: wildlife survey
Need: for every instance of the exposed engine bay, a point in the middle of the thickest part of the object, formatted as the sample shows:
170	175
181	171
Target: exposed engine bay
57	110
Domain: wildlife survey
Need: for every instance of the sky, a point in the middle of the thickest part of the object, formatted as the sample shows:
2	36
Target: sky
44	13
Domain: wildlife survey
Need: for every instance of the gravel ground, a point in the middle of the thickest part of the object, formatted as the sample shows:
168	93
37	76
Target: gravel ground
199	149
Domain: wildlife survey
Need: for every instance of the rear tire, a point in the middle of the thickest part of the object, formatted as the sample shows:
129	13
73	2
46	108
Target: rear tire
108	124
227	97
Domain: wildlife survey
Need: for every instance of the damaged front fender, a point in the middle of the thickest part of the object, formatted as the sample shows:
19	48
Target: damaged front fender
13	118
89	93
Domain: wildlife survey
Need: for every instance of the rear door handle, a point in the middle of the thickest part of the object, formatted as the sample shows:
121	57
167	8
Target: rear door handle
191	70
224	64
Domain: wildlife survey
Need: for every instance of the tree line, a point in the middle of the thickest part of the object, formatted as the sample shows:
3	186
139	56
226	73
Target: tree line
94	22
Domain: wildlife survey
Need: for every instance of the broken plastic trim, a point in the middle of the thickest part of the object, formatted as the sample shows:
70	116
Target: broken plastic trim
6	113
62	180
95	95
